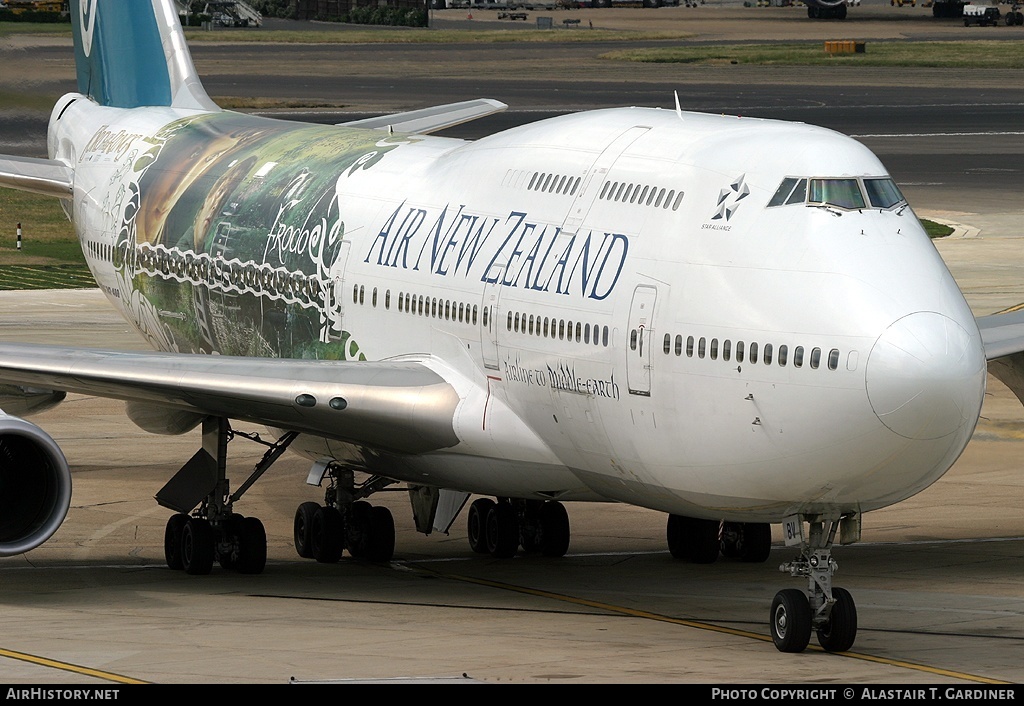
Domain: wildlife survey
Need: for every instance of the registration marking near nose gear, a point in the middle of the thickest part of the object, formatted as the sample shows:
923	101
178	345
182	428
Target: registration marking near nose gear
700	625
68	667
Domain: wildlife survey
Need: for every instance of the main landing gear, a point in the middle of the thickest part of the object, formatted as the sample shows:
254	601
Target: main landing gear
205	527
500	527
701	541
345	520
823	608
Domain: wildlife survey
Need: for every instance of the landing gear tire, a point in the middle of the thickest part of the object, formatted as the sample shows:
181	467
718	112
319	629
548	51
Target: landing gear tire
382	534
791	620
326	535
252	546
692	539
197	546
302	529
358	529
502	531
555	529
840	631
477	524
172	541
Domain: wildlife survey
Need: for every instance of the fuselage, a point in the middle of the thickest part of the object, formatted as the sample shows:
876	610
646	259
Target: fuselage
712	316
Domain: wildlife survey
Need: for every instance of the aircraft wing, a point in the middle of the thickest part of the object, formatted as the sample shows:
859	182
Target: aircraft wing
398	406
427	120
1003	336
42	176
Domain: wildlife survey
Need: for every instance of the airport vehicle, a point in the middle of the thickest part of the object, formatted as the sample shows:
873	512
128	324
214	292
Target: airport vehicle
737	322
981	15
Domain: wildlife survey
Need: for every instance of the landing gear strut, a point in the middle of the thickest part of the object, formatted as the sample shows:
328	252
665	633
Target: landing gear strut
345	520
205	527
827	610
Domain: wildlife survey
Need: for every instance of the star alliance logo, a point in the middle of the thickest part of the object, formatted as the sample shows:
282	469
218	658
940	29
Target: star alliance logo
729	198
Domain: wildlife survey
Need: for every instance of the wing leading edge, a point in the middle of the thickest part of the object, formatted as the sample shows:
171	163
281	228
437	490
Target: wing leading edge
1003	336
428	120
41	176
403	407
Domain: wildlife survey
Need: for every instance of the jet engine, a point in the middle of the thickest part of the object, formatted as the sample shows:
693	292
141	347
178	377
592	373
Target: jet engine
35	486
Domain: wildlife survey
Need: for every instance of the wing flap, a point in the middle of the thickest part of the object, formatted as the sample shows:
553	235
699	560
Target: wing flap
401	407
428	120
41	176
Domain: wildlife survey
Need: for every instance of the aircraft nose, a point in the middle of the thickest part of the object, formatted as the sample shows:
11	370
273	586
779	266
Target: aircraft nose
926	376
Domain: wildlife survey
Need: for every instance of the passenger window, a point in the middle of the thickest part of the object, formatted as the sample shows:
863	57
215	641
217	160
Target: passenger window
714	349
701	347
632	340
783	355
689	346
604	336
753	353
679	200
798	356
739	351
668	344
766	354
679	345
726	349
833	359
815	358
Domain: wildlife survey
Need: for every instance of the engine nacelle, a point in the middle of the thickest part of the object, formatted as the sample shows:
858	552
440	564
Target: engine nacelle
35	486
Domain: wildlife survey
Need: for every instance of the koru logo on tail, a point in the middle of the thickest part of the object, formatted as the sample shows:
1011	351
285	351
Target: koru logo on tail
87	22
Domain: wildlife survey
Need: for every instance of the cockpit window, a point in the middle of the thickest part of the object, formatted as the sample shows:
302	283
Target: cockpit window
848	193
844	193
791	190
783	192
883	193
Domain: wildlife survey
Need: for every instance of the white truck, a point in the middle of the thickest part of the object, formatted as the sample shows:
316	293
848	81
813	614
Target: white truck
980	15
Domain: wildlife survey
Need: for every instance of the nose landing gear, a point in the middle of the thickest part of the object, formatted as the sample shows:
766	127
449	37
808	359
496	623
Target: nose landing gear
829	611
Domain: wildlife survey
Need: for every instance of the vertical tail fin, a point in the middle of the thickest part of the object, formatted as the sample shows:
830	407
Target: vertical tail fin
131	53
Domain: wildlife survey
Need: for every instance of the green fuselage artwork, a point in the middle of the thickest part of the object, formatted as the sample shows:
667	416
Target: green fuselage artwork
235	236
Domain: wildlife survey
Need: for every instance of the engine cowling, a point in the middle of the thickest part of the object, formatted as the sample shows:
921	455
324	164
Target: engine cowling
35	486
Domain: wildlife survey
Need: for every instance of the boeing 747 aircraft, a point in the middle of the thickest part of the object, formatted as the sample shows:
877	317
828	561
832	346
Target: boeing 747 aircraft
736	322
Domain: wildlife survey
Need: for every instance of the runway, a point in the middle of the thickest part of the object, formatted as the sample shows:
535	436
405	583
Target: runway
937	578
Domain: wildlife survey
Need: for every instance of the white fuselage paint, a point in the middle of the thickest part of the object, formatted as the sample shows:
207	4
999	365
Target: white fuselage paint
641	419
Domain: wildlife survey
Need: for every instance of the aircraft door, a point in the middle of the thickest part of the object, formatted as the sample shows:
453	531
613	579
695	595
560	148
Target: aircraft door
587	194
334	296
640	336
489	322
